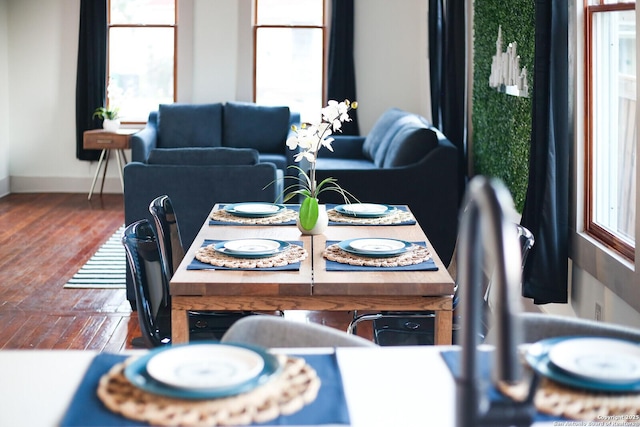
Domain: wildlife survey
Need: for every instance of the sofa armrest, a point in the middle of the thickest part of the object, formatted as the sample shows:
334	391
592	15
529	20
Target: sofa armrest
347	147
142	143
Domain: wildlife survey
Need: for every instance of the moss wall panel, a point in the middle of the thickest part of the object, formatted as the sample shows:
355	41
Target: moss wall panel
502	123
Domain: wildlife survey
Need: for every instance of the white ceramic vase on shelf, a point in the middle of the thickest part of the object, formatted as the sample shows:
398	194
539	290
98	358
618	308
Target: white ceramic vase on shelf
321	224
111	125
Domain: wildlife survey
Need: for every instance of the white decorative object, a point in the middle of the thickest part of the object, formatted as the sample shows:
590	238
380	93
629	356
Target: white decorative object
506	74
321	223
111	125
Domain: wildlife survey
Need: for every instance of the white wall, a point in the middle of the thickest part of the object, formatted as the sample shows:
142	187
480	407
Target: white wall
4	100
391	56
215	61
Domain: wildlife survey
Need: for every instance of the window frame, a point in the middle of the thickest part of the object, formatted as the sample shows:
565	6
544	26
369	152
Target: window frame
175	50
325	36
593	229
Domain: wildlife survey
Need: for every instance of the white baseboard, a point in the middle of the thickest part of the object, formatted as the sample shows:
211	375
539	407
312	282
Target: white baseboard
22	184
4	186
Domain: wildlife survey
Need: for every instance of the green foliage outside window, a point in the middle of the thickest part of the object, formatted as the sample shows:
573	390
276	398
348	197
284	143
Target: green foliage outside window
501	122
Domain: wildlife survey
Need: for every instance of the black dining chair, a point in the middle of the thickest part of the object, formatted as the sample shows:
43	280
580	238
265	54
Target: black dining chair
151	291
172	253
417	328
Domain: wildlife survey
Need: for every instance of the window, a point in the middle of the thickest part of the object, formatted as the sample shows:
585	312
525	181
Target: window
289	40
141	56
611	125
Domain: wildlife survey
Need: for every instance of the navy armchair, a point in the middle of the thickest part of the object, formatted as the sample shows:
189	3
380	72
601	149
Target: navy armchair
195	179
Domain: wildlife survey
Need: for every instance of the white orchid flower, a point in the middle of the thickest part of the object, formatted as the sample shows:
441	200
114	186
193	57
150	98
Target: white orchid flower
292	142
327	143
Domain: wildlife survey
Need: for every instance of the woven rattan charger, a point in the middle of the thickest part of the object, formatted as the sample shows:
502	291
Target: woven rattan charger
397	217
208	255
296	386
553	398
415	254
286	216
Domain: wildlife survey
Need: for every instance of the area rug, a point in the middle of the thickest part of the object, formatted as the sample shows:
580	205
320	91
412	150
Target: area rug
106	269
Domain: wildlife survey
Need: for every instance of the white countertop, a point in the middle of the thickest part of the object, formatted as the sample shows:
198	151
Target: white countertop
387	386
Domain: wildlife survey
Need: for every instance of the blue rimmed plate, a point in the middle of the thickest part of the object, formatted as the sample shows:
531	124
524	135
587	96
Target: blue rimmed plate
254	209
251	248
375	247
365	210
538	357
232	376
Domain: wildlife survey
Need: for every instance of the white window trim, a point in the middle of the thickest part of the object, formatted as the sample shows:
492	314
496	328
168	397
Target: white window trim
616	273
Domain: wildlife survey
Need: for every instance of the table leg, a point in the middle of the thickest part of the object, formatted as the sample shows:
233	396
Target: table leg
95	177
104	171
179	326
443	325
118	155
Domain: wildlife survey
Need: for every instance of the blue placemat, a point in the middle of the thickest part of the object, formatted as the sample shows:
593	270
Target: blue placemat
428	265
198	265
330	407
485	362
297	209
222	206
400	208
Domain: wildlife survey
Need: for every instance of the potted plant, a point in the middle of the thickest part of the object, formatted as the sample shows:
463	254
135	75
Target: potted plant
308	140
109	116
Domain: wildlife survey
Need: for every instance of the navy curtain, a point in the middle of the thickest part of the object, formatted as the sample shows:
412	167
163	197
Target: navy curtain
546	210
92	70
448	75
341	82
436	40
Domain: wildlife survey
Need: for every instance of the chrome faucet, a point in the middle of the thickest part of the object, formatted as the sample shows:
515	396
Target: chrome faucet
487	232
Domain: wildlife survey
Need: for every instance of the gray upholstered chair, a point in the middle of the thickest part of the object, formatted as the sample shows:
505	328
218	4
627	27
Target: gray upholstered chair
538	326
271	331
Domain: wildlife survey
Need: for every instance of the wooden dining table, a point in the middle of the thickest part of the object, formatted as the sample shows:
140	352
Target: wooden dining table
311	287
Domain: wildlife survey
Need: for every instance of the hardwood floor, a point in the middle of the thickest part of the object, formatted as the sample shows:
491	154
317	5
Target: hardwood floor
44	239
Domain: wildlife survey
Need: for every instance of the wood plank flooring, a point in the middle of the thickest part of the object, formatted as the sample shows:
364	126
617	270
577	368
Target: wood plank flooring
44	239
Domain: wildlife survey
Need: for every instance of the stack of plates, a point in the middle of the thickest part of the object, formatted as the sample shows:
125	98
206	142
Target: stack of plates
254	209
375	247
365	210
599	364
251	248
202	370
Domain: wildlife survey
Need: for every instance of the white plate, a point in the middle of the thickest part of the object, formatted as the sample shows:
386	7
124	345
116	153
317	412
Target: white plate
209	367
365	208
261	208
598	359
254	209
377	245
252	246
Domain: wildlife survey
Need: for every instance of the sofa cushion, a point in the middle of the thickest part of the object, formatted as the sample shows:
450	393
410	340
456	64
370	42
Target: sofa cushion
410	144
331	163
378	134
264	128
203	156
280	160
189	125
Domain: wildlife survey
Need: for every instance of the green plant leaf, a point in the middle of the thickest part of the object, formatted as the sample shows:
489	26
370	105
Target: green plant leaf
309	213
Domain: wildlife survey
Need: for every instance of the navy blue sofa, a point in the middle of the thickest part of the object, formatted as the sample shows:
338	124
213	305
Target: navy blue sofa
233	124
403	160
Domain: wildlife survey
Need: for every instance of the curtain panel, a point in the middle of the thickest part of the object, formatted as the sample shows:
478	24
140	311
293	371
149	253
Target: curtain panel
341	81
546	208
448	75
91	71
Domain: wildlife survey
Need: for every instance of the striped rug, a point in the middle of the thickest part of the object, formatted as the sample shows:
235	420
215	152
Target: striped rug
106	269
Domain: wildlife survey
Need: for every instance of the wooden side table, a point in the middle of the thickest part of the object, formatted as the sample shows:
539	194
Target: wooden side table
99	139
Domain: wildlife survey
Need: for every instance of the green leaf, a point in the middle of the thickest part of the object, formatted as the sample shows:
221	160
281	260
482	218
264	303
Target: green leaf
309	213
